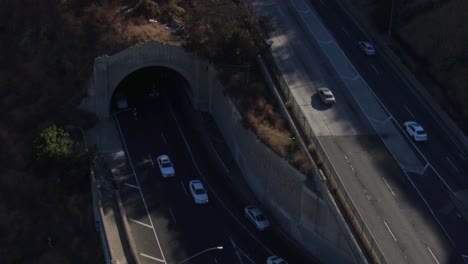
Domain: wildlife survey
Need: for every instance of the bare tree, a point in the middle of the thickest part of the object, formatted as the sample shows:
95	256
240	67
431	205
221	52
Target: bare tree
217	30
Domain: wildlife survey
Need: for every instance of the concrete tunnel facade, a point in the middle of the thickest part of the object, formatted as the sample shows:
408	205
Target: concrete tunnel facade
109	71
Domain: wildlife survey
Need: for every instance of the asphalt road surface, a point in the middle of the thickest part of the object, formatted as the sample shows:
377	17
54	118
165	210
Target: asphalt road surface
446	164
165	223
409	211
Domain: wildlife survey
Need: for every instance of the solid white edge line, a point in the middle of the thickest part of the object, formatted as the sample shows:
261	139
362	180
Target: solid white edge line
451	163
388	185
407	109
132	186
140	223
430	251
234	246
245	255
151	159
391	233
139	187
173	218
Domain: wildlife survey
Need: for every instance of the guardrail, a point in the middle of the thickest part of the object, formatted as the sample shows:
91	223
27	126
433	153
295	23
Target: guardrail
334	182
98	218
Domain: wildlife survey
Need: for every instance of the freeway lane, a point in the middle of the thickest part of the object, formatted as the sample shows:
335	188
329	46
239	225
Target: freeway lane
272	241
441	151
397	97
397	217
183	228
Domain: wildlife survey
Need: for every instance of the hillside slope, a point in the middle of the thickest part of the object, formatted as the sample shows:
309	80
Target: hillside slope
47	49
431	37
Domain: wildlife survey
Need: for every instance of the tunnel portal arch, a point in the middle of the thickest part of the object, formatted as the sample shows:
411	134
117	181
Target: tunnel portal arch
109	71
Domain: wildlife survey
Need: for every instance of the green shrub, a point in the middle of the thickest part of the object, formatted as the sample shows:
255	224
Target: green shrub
288	104
311	148
319	164
53	144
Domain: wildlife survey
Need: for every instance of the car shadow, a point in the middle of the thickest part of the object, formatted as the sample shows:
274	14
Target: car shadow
317	103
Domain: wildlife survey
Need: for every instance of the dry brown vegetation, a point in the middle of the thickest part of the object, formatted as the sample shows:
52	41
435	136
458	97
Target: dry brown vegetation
259	111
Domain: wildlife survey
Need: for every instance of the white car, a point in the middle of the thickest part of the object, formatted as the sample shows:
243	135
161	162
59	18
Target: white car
165	166
415	130
198	191
275	260
367	48
326	95
257	217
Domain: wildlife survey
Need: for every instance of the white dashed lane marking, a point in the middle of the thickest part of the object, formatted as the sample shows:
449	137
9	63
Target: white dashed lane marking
130	185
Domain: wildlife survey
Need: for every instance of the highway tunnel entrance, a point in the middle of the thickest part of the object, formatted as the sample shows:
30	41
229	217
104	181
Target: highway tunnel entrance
148	86
146	65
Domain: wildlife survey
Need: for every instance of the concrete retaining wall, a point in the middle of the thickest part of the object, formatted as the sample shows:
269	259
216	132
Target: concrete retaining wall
281	188
109	71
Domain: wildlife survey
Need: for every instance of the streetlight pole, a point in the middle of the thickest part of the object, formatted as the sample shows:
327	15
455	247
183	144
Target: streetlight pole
391	19
201	252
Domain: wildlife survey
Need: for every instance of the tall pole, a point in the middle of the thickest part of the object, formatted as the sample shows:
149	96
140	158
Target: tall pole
390	20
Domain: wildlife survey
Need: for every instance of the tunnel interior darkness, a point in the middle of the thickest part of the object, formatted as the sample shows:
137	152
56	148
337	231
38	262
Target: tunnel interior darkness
147	84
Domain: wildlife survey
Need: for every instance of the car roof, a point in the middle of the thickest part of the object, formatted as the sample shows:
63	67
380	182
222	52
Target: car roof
325	90
411	123
198	184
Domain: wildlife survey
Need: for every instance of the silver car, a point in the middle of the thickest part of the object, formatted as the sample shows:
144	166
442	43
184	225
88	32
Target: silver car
415	130
326	96
198	191
257	217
